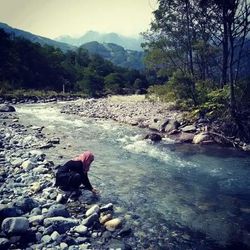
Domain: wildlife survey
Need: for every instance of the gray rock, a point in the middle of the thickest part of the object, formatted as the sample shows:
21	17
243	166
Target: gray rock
6	108
4	243
57	210
60	224
36	211
93	209
15	225
9	211
26	204
170	126
80	240
89	221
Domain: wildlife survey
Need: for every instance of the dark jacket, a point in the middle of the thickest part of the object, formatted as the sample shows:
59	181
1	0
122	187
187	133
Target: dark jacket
70	168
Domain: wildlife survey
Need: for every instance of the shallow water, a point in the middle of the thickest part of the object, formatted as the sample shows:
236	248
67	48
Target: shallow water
173	196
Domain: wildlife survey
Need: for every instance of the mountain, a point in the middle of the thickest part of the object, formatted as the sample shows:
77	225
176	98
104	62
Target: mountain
35	38
116	54
90	36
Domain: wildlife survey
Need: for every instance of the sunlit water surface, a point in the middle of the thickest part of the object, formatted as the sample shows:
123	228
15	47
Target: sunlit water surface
174	196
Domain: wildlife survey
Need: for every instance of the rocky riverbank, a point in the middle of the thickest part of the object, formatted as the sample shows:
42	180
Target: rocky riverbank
36	215
161	120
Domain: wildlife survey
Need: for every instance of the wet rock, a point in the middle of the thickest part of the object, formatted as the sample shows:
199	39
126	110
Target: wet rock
7	108
107	207
57	210
113	224
93	209
15	225
153	137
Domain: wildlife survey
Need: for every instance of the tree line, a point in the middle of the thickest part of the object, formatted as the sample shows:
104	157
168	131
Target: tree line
27	65
200	50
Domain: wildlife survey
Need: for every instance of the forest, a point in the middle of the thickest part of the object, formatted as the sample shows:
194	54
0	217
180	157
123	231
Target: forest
27	65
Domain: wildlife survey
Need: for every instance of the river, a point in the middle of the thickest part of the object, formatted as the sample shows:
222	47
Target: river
173	196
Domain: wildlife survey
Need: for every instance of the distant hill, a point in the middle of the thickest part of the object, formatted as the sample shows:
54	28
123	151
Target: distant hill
90	36
35	38
117	54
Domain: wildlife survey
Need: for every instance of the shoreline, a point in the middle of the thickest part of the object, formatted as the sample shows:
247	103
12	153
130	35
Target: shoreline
161	120
33	214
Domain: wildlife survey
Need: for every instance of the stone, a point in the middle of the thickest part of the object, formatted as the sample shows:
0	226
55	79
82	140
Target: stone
188	129
15	225
36	219
93	209
59	198
80	240
153	137
246	147
81	229
113	224
57	210
46	239
9	211
27	165
7	108
35	187
55	235
60	223
54	140
186	137
105	218
107	207
63	246
170	126
89	221
16	162
4	243
26	204
199	138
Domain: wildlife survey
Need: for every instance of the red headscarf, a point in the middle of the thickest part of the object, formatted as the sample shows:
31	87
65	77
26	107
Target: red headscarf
86	158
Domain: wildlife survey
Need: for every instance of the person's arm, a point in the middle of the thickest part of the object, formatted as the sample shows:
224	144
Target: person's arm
86	182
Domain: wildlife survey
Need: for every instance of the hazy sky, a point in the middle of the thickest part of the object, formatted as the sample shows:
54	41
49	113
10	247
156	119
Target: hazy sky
52	18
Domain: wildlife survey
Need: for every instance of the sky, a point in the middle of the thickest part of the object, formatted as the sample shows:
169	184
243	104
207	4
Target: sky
53	18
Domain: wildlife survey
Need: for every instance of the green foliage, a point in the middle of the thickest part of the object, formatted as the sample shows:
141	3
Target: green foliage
113	83
26	65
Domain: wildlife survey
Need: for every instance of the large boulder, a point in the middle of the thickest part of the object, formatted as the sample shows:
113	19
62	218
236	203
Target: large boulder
7	108
26	204
15	225
171	125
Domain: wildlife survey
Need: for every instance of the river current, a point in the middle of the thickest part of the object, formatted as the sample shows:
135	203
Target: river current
173	196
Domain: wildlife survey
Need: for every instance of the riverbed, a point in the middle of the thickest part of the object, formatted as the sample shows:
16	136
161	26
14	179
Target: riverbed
174	196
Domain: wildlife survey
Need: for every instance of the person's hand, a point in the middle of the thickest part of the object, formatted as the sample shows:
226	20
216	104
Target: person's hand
95	191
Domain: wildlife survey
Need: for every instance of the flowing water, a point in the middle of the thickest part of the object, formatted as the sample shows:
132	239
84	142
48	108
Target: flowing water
173	196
